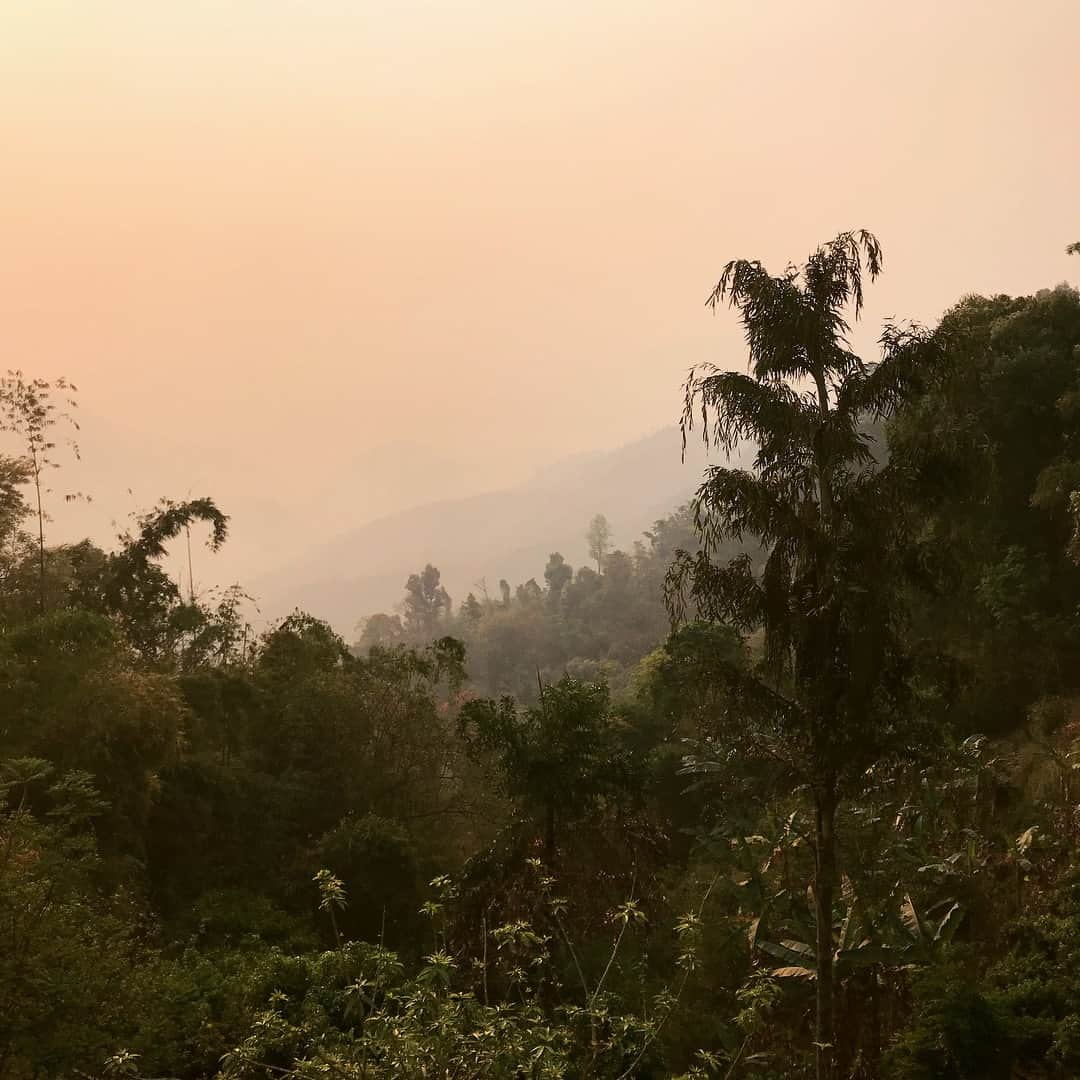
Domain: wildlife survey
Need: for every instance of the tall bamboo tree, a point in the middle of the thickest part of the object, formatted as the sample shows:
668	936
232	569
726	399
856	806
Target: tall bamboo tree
829	695
28	411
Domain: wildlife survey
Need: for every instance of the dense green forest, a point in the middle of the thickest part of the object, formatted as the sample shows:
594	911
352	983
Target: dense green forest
590	623
788	789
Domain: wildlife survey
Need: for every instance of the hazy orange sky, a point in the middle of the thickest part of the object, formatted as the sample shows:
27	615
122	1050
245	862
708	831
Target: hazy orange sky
343	256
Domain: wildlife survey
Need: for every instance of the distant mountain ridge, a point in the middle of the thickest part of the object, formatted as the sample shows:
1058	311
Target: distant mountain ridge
483	538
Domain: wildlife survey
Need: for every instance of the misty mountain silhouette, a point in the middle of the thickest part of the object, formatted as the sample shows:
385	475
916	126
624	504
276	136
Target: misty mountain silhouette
502	534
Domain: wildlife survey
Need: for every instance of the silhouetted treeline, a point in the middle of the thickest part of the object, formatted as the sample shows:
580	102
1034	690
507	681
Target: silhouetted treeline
826	825
585	622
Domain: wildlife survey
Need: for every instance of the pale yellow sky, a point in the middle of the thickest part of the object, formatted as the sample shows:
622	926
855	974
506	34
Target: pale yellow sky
432	245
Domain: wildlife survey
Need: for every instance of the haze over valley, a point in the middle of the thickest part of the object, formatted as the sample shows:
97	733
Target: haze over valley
539	540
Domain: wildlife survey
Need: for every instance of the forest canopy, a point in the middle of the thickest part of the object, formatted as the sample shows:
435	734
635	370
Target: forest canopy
786	786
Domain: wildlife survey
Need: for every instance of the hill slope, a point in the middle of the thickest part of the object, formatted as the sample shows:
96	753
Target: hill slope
503	534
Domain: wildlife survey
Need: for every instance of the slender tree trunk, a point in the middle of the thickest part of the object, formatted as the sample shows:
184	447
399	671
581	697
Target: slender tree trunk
825	809
824	887
190	572
875	1024
41	540
549	836
824	487
822	390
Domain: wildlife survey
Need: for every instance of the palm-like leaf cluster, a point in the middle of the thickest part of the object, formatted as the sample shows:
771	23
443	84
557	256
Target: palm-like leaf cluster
828	697
818	504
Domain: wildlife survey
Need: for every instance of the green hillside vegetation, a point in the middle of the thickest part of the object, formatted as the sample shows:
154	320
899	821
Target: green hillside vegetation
788	788
593	623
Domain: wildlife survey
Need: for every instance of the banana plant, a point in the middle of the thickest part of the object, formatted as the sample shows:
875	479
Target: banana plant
928	934
906	939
